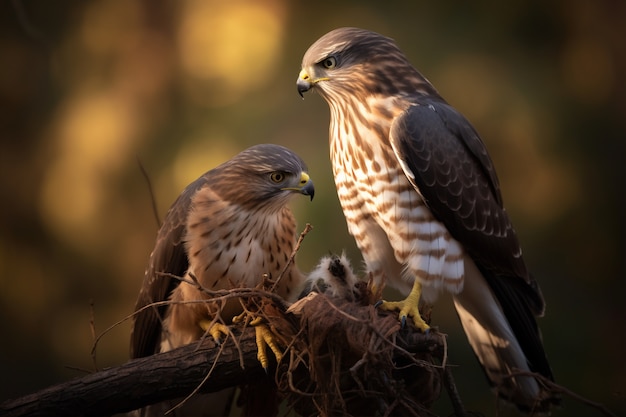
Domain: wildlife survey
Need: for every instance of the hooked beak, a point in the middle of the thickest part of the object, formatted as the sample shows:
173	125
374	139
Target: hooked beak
304	83
305	186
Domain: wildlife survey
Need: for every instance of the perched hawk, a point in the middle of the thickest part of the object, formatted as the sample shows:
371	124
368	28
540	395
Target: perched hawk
226	230
422	200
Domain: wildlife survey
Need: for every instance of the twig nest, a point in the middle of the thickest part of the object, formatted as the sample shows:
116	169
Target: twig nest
348	358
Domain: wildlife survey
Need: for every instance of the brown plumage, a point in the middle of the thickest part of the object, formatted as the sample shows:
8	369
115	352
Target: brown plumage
422	199
227	229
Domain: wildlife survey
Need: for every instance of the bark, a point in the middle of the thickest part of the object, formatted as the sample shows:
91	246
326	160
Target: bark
147	380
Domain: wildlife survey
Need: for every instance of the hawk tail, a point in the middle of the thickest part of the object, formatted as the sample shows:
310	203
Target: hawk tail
501	328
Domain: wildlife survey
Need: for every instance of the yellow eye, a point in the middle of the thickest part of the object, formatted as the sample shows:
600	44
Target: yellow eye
330	62
277	177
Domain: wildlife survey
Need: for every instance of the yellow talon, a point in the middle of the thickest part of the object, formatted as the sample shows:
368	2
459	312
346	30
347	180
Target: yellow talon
409	307
216	330
241	317
264	338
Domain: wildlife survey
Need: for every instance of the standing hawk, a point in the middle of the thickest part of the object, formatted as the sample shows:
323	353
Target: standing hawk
422	200
226	230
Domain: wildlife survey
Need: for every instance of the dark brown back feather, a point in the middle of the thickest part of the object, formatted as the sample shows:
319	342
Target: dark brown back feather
169	257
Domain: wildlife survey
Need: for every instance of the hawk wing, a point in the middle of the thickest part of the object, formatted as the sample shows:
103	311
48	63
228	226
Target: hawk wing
447	163
168	257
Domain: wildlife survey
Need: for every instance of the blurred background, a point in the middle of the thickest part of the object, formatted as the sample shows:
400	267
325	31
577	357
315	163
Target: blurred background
91	88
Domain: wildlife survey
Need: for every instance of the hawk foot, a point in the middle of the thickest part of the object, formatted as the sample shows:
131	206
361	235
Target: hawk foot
264	338
216	330
407	309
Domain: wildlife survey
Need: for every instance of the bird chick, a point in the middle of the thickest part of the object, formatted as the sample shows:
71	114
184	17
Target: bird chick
333	276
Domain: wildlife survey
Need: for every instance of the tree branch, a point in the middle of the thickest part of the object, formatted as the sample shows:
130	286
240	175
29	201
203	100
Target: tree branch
340	356
147	380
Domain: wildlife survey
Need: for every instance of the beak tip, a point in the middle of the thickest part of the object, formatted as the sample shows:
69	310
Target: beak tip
303	86
308	189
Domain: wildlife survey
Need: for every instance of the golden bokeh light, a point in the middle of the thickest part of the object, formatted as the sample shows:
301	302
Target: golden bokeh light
93	138
201	154
232	45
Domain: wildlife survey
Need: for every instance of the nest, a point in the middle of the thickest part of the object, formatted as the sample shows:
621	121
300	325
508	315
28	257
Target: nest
346	357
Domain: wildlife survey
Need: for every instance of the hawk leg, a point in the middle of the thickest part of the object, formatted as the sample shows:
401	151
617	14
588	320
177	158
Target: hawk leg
215	329
409	307
264	338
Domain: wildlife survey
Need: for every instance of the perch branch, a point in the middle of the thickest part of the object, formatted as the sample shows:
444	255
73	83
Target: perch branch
146	380
164	376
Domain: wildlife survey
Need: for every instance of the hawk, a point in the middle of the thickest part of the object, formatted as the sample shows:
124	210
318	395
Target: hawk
422	200
226	230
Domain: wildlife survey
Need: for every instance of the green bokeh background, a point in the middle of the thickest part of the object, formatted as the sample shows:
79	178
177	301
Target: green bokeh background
89	88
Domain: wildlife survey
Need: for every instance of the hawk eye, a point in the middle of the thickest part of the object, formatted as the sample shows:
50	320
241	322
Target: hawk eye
330	62
277	176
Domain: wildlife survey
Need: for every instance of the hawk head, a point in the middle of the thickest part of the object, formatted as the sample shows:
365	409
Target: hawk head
352	62
263	175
